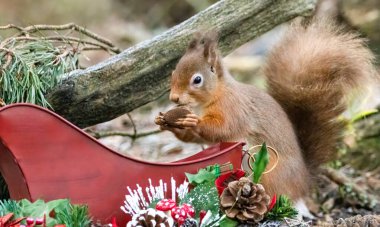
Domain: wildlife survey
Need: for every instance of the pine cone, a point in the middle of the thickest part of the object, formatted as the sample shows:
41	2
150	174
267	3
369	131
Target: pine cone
150	218
244	201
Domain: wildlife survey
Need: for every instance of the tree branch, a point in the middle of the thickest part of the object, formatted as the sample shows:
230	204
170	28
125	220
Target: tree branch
140	74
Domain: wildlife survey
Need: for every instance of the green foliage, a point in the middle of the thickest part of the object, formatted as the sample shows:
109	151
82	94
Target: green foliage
282	209
10	206
65	212
203	197
208	174
227	222
39	208
201	177
363	114
260	163
74	215
31	69
154	203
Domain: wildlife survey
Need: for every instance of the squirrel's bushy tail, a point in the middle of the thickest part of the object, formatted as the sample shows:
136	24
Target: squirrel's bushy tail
310	73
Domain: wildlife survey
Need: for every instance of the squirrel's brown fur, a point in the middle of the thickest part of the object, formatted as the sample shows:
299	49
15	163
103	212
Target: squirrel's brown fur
309	74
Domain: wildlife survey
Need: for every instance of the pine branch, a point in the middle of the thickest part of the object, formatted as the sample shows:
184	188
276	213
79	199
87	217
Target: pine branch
31	61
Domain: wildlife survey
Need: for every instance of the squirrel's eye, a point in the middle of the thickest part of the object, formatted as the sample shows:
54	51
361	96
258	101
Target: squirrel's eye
197	80
212	69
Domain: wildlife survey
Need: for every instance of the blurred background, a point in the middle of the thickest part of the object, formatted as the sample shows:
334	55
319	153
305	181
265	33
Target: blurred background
128	22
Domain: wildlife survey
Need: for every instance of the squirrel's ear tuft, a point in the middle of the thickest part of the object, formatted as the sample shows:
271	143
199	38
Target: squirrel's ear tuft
195	41
204	40
210	43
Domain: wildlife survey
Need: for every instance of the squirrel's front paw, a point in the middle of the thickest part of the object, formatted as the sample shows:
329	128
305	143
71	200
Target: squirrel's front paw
191	120
159	120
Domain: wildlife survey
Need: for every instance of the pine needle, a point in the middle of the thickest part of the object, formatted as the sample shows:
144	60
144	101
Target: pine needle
74	215
10	206
33	60
34	68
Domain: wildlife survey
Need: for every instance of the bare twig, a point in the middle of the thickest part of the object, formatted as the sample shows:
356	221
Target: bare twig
59	57
90	48
12	26
6	50
133	136
24	34
40	27
133	123
62	39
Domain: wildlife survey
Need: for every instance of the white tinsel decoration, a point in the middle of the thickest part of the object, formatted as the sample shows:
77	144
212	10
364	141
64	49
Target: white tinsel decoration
135	201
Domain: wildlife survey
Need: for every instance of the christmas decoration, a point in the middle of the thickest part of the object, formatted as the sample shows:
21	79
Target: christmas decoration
137	201
189	209
190	222
182	212
261	161
6	221
222	181
209	173
202	214
244	200
282	209
227	222
272	202
39	213
165	205
203	197
150	217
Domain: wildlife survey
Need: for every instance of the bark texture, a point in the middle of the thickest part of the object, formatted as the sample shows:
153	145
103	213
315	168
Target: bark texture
140	74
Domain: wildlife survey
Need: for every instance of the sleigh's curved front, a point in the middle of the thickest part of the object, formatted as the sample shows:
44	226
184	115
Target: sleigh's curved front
43	156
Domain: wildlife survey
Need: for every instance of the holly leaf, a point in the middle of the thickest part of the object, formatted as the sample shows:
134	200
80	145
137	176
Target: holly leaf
260	163
201	177
227	222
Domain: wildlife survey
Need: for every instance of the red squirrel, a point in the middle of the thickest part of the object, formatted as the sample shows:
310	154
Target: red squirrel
309	75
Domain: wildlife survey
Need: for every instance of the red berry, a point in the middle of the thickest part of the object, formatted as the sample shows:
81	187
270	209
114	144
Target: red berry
29	221
39	221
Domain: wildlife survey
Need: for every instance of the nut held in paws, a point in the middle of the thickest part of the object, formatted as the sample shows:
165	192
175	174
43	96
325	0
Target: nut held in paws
173	115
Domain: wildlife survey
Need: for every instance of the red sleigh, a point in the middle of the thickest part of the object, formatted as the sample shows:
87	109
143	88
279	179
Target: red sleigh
43	156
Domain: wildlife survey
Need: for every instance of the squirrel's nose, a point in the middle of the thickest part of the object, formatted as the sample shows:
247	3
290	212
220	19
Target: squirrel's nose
174	98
